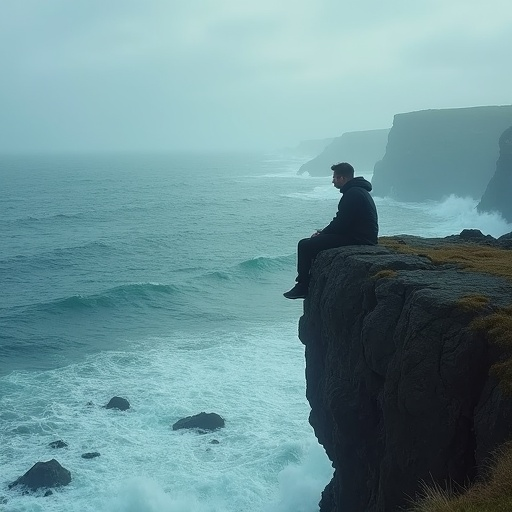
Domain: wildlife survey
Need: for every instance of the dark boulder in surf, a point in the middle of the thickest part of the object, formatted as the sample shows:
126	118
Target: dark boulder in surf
44	474
118	403
202	421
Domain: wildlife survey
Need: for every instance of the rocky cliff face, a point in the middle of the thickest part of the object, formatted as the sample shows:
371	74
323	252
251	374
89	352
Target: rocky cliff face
361	149
397	380
434	153
498	195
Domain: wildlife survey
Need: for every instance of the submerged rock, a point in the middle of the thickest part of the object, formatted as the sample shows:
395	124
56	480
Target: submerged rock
90	455
118	403
203	420
58	444
44	474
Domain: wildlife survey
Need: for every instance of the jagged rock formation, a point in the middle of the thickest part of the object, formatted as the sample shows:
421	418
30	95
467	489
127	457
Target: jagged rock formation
361	149
498	195
397	380
434	153
42	475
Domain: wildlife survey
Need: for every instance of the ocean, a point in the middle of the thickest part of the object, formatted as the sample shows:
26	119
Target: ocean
159	278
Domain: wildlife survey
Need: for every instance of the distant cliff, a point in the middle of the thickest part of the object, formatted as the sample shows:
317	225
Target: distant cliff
434	153
362	149
498	195
398	380
308	148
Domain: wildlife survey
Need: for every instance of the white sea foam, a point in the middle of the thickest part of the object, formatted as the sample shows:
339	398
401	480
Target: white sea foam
254	379
318	193
437	218
460	213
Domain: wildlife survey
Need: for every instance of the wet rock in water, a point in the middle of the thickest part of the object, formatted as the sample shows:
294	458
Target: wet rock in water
204	420
118	403
44	474
58	444
48	493
90	455
214	441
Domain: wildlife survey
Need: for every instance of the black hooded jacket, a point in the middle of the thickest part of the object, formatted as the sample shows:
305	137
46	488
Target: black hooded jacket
356	219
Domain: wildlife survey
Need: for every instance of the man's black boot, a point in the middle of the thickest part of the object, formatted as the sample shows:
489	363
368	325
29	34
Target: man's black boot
299	291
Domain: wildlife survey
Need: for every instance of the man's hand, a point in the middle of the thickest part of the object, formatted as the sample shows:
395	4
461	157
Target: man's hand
316	233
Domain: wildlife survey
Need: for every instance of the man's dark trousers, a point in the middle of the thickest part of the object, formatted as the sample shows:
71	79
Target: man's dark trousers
308	248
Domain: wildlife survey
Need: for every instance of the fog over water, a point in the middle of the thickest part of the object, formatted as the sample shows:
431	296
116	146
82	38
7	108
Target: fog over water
168	75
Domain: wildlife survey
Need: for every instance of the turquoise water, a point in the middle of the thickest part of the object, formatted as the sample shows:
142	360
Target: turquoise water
159	278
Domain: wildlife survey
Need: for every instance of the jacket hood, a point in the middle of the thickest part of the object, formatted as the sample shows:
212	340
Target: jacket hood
357	182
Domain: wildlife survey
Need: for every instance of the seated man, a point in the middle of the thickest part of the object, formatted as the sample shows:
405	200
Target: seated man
355	224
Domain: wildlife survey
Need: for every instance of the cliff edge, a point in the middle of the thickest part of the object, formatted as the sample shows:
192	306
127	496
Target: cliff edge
362	149
497	196
398	378
434	153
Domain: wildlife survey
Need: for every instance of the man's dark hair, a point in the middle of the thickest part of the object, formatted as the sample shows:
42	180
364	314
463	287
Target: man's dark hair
343	169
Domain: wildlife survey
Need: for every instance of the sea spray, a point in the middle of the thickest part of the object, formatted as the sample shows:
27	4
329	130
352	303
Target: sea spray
254	379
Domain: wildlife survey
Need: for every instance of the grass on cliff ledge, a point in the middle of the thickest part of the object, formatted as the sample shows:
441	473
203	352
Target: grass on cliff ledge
478	258
497	328
492	495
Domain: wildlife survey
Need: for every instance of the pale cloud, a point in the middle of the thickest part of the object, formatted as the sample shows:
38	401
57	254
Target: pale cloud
219	73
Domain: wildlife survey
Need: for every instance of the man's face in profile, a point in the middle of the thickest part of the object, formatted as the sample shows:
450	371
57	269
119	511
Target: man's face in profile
338	181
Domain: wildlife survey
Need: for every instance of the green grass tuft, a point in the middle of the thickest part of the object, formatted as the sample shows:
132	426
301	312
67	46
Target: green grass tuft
473	302
384	274
493	494
472	257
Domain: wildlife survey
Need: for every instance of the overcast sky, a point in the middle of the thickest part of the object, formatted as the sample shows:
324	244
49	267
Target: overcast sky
237	74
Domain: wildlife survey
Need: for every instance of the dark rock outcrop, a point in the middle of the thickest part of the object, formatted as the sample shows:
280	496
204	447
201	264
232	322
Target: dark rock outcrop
118	403
44	474
203	421
434	153
498	194
397	380
361	149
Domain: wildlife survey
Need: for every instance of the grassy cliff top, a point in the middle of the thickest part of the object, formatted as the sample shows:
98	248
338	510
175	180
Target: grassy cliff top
468	256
